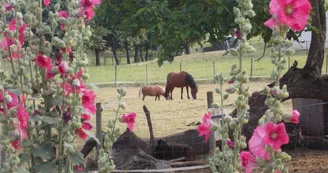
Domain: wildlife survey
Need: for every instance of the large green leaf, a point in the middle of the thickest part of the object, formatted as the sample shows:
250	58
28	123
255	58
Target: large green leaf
46	167
44	150
76	158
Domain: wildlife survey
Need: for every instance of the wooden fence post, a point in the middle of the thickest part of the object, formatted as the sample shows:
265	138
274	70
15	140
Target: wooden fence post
180	66
98	128
115	75
212	142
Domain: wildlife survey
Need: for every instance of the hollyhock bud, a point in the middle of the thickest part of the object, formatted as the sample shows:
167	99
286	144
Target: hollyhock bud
233	52
230	90
227	119
236	11
217	90
225	96
85	76
288	43
289	52
215	105
251	13
284	156
123	105
294	117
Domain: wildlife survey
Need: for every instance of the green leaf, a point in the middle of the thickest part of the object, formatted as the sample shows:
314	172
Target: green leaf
24	158
56	101
160	27
76	158
46	167
22	170
44	150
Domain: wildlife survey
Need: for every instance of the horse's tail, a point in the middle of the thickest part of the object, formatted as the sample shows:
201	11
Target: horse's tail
140	92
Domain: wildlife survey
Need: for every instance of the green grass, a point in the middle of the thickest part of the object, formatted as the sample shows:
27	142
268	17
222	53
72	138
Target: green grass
196	64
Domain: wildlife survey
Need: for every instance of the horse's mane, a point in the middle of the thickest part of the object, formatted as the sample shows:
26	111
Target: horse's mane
190	80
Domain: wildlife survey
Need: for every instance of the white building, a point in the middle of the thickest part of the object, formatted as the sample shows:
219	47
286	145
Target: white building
306	38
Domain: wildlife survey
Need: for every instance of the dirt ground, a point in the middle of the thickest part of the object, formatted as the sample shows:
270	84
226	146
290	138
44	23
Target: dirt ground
169	117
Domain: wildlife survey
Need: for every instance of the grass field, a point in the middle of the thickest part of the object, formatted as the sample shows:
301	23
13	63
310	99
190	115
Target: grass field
198	64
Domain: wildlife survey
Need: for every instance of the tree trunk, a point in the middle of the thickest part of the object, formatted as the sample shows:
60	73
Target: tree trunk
146	50
301	83
126	47
117	61
186	47
141	57
136	53
97	51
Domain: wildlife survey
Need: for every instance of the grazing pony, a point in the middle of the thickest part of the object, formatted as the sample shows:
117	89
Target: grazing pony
155	90
180	80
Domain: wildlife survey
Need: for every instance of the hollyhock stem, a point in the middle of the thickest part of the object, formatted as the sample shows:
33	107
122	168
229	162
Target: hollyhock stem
117	112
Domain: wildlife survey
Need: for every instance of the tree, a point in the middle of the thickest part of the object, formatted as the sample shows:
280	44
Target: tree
97	42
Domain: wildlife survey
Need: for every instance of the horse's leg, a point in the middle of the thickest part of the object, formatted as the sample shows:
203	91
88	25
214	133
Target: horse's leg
181	92
187	92
172	92
143	98
155	98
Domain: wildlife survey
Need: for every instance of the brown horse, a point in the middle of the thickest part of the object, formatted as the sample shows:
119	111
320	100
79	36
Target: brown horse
180	80
155	90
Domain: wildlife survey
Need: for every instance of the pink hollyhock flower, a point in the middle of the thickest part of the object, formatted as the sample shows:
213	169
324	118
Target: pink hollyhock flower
63	14
85	117
207	118
8	6
129	119
86	4
293	13
230	144
6	42
12	25
230	82
295	116
62	68
42	61
88	100
257	146
79	168
22	115
16	144
14	100
49	73
81	134
248	161
205	127
46	2
21	35
88	13
268	134
237	34
86	126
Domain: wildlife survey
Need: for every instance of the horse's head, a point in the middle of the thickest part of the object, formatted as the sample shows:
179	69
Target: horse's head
194	92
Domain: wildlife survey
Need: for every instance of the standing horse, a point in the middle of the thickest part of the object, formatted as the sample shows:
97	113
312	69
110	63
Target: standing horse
180	80
155	90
